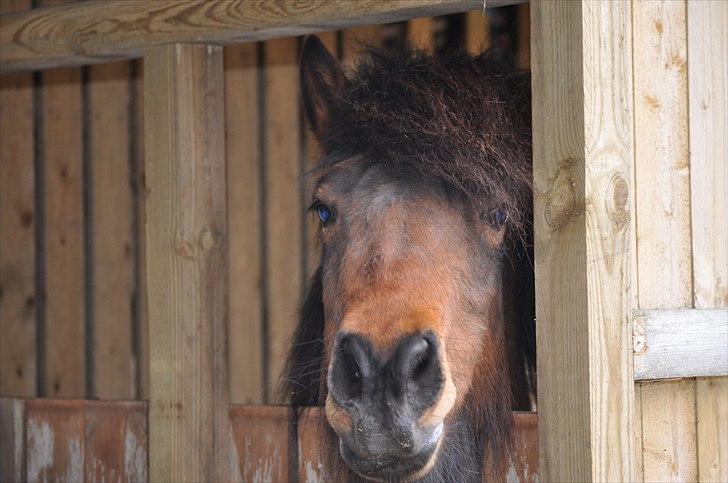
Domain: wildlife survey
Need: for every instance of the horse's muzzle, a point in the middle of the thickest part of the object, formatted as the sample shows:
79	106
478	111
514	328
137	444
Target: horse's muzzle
385	402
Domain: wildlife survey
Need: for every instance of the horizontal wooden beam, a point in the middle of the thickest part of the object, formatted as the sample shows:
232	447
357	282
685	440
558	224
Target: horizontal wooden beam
102	31
680	343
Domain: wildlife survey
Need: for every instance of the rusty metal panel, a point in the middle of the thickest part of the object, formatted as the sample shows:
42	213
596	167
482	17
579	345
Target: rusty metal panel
264	442
312	464
524	466
54	440
116	441
12	428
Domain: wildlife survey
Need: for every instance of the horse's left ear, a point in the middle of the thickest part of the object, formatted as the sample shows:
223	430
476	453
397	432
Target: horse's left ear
322	80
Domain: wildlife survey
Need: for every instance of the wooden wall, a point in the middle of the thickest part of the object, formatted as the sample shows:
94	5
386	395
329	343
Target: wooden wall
73	310
681	177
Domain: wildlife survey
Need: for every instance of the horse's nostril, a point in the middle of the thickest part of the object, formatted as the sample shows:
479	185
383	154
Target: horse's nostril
420	373
350	367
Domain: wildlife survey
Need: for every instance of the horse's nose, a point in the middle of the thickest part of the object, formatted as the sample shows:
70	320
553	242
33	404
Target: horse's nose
409	382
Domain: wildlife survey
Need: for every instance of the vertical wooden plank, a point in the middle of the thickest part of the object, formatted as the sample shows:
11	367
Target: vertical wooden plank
111	231
12	440
245	317
582	172
663	223
313	224
420	34
282	207
115	444
62	151
262	441
477	32
17	231
54	440
708	108
186	266
141	313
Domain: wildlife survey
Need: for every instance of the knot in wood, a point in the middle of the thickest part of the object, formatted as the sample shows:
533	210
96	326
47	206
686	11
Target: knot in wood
564	199
617	198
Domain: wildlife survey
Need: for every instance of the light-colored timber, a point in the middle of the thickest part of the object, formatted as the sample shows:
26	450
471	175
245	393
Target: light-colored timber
671	344
186	263
708	113
100	31
662	178
583	155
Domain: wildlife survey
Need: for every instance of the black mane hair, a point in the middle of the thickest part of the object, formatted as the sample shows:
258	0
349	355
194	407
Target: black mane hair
464	121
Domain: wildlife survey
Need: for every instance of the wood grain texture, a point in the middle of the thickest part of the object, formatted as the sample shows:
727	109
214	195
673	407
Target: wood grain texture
476	37
62	155
141	312
186	266
282	203
242	126
262	436
112	232
99	31
420	34
662	176
583	155
12	444
671	344
18	298
708	111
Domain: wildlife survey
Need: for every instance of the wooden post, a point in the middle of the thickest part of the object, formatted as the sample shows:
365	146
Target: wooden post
186	263
583	155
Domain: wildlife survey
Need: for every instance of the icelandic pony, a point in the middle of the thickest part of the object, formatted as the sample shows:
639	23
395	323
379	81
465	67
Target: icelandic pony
416	333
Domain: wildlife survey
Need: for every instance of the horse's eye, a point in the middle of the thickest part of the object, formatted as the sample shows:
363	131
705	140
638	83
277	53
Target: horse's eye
325	214
496	218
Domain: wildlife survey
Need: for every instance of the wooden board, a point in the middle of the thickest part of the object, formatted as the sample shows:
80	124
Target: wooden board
73	36
282	210
18	298
662	177
671	344
242	126
477	32
64	316
186	263
111	221
420	34
353	40
708	104
141	314
583	154
263	442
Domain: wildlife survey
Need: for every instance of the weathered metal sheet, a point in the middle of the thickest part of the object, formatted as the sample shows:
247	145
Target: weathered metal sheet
54	440
116	441
12	428
264	442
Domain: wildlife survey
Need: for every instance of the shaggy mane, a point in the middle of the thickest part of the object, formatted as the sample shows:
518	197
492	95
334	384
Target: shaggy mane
463	120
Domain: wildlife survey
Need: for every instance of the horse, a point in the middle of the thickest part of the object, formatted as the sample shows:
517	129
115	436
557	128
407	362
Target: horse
416	333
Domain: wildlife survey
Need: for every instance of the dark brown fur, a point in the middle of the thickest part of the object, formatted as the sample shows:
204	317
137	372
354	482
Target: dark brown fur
460	125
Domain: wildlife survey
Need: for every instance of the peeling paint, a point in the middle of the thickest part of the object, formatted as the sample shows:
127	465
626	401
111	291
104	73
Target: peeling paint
40	438
74	470
135	458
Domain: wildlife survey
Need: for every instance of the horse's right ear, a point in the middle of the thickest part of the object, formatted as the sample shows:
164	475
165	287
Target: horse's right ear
322	81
